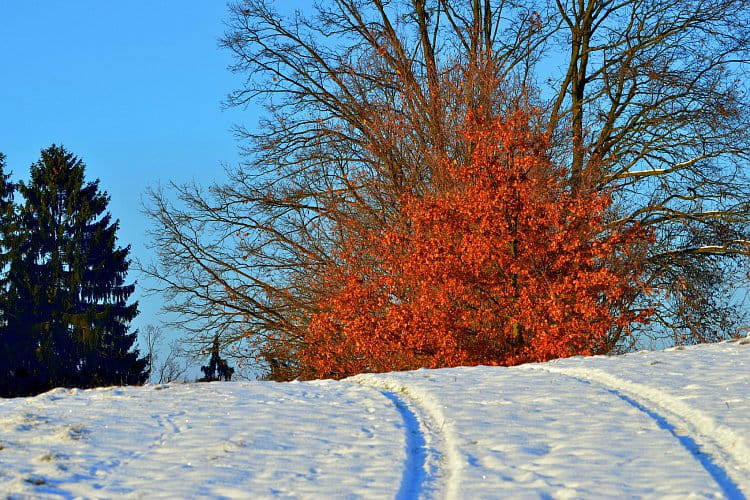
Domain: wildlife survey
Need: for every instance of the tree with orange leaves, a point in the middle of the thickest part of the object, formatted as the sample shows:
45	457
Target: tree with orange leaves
364	99
505	265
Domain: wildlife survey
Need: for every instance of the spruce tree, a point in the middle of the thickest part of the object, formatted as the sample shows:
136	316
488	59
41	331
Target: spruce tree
217	368
8	344
66	284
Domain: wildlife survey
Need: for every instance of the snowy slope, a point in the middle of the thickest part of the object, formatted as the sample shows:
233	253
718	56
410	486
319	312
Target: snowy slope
653	424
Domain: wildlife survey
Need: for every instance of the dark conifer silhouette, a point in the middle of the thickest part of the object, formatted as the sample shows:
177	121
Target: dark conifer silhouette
66	296
217	368
9	346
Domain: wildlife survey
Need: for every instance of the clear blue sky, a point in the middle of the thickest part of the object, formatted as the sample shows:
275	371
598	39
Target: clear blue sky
134	88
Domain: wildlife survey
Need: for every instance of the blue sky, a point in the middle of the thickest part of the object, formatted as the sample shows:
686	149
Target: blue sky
133	88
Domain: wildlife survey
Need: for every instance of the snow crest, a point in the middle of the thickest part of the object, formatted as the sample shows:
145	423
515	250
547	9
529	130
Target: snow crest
669	424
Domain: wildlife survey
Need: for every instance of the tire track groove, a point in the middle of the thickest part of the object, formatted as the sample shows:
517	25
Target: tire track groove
719	450
433	462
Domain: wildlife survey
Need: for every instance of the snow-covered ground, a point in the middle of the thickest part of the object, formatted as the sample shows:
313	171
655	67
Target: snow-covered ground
674	424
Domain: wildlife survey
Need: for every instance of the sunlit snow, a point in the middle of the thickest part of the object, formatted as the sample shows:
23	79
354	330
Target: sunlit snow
674	423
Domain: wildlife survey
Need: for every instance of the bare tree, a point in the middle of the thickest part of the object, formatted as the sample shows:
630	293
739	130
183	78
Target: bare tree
171	367
653	103
364	100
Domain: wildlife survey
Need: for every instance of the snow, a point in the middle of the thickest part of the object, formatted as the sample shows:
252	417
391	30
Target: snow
667	424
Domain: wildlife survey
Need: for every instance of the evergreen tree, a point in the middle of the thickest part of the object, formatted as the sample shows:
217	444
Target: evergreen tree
66	285
217	368
8	344
6	204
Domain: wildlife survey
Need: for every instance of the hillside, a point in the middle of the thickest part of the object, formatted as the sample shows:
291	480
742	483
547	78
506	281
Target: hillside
674	423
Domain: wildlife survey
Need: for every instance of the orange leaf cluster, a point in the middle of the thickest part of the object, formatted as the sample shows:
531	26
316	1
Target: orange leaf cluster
506	266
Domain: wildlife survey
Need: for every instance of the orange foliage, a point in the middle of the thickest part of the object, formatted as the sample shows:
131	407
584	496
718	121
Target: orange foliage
505	266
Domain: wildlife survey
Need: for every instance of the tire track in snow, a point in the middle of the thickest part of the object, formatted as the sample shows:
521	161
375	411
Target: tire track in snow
433	462
719	450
